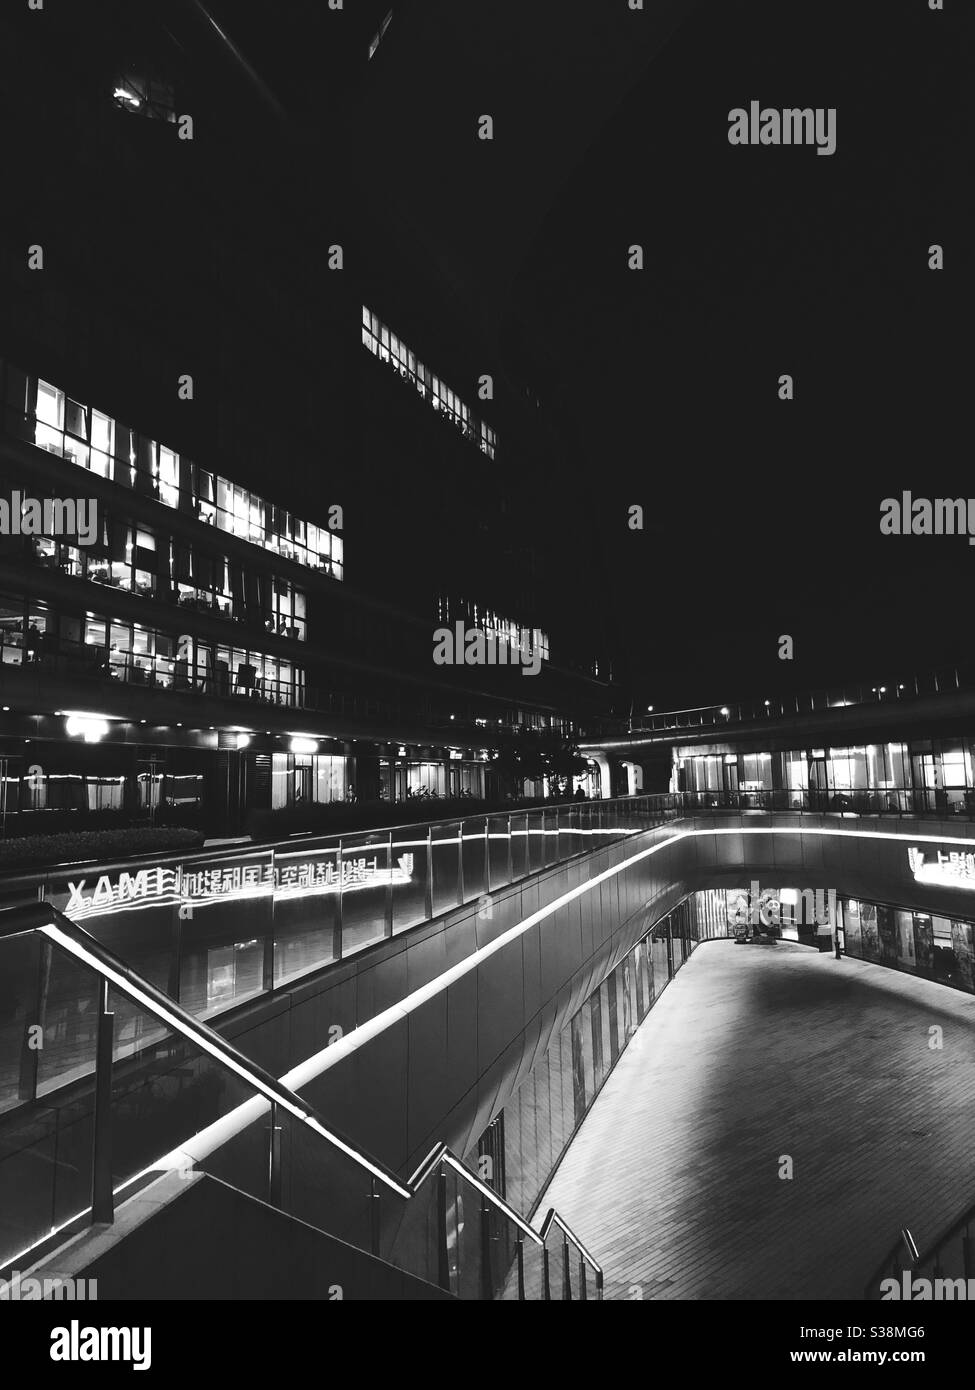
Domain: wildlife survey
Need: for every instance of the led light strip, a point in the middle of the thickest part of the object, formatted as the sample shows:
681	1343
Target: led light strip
336	1052
225	1128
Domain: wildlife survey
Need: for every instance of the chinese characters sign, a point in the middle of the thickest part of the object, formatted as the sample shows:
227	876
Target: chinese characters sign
955	869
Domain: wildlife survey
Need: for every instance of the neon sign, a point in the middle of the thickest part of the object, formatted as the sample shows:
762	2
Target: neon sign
159	886
952	870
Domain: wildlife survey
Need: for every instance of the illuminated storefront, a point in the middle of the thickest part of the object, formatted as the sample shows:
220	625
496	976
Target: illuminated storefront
937	773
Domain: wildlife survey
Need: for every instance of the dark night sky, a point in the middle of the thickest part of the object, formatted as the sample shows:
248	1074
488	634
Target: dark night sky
762	517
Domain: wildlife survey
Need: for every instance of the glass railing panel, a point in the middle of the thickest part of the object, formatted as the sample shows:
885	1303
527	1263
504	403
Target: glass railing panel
445	840
306	911
130	908
45	1174
323	1186
21	985
501	1249
163	1092
569	821
535	821
474	850
410	1231
365	886
464	1248
554	1245
68	1007
550	837
498	846
226	907
520	845
533	1274
409	875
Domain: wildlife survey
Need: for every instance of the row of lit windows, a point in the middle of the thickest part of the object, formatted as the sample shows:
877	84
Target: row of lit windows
98	646
136	560
945	768
385	345
94	441
501	629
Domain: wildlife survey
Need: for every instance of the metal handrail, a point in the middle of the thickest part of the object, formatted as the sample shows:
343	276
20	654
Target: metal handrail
43	917
804	701
59	929
440	1153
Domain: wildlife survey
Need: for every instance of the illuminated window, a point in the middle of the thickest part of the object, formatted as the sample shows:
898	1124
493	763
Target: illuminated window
385	345
145	96
95	441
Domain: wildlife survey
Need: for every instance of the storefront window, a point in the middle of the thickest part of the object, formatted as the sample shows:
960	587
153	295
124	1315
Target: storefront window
757	774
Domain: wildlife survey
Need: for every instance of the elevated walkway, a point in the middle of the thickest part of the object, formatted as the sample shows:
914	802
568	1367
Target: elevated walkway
754	1054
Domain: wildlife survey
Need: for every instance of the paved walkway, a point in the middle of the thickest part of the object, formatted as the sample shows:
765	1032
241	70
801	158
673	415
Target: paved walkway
757	1052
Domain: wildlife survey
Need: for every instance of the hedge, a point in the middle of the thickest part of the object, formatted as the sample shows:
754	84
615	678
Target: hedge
30	850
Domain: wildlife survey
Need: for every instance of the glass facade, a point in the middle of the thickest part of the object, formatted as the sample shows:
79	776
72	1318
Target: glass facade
385	345
306	777
920	943
539	1121
498	629
935	775
34	633
48	417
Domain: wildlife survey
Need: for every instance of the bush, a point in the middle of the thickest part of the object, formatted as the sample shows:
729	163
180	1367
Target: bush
27	851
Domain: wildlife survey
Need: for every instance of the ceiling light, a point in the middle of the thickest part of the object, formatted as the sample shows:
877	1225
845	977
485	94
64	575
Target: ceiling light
87	726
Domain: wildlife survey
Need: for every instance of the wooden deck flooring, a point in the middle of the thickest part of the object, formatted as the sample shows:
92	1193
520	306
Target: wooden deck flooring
754	1053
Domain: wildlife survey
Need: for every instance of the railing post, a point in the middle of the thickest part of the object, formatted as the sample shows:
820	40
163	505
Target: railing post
375	1214
511	860
102	1194
460	863
274	1159
176	939
443	1256
428	896
389	886
583	1292
267	971
566	1270
338	902
487	855
487	1286
546	1281
30	1056
520	1259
